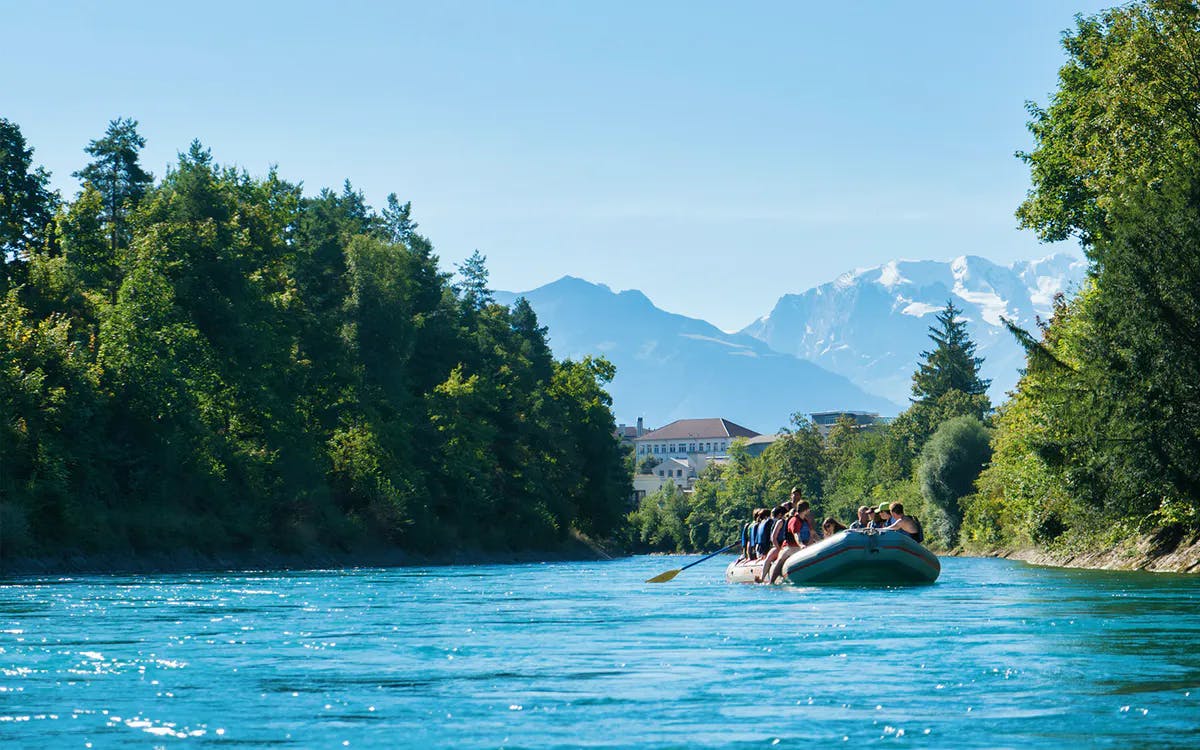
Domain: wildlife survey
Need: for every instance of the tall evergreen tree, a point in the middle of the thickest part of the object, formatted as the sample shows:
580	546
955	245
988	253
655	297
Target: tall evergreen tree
474	285
117	175
952	364
26	204
397	220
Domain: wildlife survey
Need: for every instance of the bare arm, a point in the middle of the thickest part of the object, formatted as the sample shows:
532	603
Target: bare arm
906	524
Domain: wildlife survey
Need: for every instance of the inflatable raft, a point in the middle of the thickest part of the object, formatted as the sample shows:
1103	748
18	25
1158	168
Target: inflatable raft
871	556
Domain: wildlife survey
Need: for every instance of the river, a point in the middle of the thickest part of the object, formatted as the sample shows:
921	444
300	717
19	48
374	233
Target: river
996	654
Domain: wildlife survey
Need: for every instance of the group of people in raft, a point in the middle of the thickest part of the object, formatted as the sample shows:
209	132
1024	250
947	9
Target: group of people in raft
775	534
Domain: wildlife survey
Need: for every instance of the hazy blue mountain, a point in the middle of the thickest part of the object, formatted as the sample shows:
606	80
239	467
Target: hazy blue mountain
872	324
674	367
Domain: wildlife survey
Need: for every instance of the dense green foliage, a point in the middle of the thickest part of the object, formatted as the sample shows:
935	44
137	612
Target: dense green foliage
1102	435
852	465
950	462
221	363
26	204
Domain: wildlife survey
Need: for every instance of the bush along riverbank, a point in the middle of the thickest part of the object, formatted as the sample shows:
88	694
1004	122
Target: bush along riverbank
576	547
219	366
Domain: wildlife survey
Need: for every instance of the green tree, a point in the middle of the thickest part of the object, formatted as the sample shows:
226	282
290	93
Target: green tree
951	365
473	284
1104	420
945	385
647	465
26	204
116	174
397	220
796	459
259	370
660	522
950	463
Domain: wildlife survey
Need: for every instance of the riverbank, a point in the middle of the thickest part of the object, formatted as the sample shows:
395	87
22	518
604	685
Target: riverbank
577	547
1165	551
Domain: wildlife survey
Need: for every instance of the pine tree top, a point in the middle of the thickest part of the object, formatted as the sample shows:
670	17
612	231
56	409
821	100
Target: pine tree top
951	364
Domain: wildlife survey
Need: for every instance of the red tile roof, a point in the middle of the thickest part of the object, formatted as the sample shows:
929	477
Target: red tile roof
699	429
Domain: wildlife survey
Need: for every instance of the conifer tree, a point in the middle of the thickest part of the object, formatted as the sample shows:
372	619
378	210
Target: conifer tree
474	284
117	175
945	385
952	364
397	220
26	204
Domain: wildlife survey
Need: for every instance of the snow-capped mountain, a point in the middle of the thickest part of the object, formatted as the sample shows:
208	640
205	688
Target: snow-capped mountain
871	325
674	367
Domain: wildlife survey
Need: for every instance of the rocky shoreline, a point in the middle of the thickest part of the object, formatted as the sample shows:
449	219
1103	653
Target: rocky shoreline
575	548
1165	551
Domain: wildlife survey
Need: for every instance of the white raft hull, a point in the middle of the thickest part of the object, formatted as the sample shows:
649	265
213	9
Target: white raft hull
870	556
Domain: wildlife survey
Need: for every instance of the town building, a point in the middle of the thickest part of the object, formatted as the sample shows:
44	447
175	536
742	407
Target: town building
628	433
825	420
682	450
756	445
684	437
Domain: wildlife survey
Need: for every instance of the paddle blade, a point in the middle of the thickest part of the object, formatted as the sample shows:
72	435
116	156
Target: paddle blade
664	577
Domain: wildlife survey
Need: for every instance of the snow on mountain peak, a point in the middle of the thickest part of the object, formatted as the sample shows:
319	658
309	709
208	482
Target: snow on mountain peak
890	275
879	317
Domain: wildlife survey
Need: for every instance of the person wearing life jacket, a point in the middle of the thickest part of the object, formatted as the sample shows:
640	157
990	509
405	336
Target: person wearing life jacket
883	516
752	532
777	535
865	516
744	537
800	534
762	534
907	525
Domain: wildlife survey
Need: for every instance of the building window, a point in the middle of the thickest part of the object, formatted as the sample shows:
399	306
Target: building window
692	448
672	447
722	446
660	472
679	472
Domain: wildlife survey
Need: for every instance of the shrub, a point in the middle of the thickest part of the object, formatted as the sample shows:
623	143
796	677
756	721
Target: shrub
950	463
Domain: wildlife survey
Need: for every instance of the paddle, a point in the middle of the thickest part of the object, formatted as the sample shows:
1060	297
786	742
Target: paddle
664	577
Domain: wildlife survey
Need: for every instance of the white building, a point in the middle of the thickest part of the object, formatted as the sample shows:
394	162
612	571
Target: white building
683	448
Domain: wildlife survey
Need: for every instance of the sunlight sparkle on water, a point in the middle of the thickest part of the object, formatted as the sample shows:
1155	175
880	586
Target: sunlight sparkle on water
544	655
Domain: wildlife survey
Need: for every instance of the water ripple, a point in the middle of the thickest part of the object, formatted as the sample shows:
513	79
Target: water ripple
996	654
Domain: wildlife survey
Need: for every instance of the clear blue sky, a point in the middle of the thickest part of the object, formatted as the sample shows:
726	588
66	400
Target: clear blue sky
714	155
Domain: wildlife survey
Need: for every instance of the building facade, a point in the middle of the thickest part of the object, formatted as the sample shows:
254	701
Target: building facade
683	449
825	420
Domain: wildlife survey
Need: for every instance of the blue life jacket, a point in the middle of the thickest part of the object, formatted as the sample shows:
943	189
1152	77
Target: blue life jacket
805	531
761	531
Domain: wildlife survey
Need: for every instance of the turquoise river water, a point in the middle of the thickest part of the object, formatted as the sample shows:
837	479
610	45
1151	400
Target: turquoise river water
995	654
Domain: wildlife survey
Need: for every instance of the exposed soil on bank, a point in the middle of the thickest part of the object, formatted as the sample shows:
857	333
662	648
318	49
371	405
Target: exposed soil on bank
1166	551
577	547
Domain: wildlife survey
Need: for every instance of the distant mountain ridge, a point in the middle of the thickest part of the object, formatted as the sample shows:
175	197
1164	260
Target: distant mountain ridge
871	324
850	344
673	367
